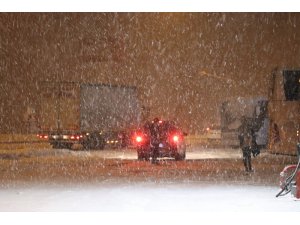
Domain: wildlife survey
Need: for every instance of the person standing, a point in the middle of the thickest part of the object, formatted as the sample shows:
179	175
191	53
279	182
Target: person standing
154	140
246	136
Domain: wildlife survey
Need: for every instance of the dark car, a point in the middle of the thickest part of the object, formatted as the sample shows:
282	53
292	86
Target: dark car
169	142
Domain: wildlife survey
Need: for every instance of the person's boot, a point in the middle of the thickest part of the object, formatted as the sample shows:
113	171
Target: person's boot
249	166
245	164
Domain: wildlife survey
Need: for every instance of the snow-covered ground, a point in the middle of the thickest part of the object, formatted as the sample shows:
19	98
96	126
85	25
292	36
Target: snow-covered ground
145	196
210	180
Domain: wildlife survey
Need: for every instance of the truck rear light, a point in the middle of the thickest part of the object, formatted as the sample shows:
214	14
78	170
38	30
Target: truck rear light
43	136
65	137
54	137
72	137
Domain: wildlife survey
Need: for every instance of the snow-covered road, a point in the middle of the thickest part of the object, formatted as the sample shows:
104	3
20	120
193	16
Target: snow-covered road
210	180
134	197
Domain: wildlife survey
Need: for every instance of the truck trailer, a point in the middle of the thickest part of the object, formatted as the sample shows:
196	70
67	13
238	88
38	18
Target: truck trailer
275	118
82	113
249	112
284	111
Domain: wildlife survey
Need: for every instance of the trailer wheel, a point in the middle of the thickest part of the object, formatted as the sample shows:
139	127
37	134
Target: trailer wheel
69	145
56	145
96	141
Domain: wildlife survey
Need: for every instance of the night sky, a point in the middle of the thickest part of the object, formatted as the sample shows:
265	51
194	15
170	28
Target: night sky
183	64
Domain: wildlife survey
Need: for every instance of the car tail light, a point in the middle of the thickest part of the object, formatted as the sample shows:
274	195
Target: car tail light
175	138
138	139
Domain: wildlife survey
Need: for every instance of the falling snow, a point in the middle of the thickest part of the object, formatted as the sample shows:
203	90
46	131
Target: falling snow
102	72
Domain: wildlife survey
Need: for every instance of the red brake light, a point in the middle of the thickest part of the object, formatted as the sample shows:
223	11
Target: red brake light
175	138
43	136
139	139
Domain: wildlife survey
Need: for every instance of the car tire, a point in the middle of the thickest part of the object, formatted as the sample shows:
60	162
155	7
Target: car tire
180	157
142	156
